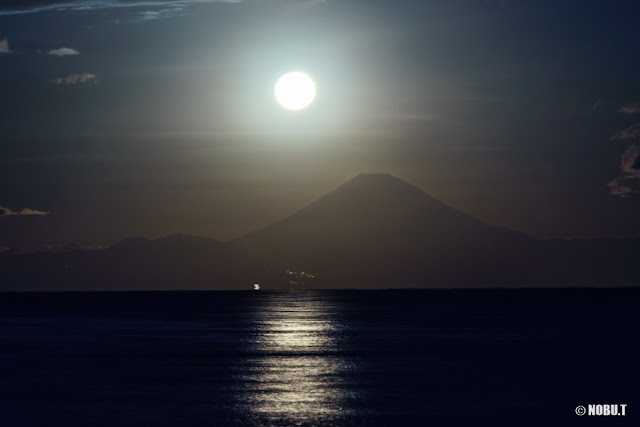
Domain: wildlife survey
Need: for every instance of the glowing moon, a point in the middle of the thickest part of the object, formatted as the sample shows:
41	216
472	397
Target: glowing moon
295	91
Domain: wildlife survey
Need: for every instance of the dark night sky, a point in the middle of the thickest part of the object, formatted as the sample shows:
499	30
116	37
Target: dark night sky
524	114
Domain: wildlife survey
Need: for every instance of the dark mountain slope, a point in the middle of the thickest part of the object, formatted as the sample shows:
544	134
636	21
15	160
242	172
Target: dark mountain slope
373	231
376	230
174	262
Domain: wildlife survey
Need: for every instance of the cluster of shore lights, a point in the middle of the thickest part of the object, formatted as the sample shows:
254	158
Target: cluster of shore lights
303	274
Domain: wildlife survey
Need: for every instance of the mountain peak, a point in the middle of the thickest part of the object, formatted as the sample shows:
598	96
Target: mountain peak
378	198
374	175
377	192
376	178
373	220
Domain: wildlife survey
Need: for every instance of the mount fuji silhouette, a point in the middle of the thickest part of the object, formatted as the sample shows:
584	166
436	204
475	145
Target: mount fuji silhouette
375	231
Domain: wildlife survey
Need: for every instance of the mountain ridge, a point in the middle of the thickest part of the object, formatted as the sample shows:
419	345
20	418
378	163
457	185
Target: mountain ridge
376	218
374	231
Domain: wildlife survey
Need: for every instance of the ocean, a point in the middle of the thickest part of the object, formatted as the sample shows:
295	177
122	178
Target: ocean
523	357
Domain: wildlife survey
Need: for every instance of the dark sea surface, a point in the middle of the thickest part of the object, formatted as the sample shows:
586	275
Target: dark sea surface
409	357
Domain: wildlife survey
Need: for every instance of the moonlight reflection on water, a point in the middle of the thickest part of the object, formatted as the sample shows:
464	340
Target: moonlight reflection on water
329	358
299	369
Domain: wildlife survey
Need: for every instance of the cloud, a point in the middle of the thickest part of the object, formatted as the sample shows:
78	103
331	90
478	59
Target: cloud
15	7
628	182
27	211
632	132
75	79
64	51
630	160
4	46
630	109
169	12
624	187
4	211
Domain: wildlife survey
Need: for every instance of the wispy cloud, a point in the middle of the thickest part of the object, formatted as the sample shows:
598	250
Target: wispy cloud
75	79
630	163
628	182
4	46
149	15
64	51
4	211
630	109
83	5
632	132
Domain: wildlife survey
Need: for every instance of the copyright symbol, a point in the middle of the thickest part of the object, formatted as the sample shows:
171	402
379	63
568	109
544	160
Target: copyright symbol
580	410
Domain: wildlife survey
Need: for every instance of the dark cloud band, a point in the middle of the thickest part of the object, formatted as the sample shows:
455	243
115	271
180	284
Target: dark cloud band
4	211
16	7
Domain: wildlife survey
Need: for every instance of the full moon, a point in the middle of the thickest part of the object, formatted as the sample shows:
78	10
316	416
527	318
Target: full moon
295	91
